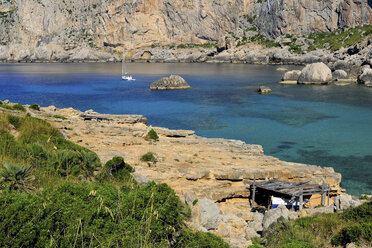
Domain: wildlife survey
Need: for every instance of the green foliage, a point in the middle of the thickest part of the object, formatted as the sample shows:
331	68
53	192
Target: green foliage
194	202
338	39
19	107
193	239
92	214
348	234
260	39
117	169
1	102
15	177
6	106
206	45
59	117
354	225
41	145
15	121
152	135
295	48
148	157
116	164
361	213
35	107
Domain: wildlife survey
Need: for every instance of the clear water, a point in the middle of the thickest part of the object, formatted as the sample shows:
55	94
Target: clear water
322	125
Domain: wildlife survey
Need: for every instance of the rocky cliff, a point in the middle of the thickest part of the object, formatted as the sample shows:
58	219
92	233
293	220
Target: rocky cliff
65	30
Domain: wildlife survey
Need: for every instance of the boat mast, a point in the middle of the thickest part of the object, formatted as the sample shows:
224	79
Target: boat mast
123	63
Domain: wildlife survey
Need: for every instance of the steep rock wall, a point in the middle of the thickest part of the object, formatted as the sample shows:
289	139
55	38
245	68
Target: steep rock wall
66	30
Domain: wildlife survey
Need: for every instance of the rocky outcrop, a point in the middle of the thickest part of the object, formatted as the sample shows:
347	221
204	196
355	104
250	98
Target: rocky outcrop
365	77
317	73
291	75
273	215
173	82
264	90
339	74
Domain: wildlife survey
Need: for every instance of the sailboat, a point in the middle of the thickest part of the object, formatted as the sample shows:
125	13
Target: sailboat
124	74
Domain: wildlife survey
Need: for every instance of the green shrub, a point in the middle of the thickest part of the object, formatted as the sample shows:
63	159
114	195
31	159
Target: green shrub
116	164
69	162
59	117
152	135
148	157
19	107
5	106
15	121
119	170
194	239
16	177
35	107
1	102
348	234
96	215
361	213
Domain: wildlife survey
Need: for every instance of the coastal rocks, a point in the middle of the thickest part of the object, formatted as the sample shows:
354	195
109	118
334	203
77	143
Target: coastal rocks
264	90
339	74
291	77
317	73
173	82
273	215
343	202
207	214
140	179
365	77
173	133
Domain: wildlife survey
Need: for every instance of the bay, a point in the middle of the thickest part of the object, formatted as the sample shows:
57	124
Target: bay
322	125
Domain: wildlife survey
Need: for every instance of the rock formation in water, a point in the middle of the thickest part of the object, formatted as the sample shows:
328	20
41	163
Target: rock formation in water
75	30
173	82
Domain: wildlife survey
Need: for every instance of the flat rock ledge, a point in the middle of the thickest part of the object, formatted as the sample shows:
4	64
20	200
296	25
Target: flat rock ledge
173	82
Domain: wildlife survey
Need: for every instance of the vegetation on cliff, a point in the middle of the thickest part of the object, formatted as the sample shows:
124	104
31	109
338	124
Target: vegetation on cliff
325	230
55	193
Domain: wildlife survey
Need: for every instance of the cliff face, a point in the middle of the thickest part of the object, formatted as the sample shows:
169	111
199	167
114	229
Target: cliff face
278	17
92	29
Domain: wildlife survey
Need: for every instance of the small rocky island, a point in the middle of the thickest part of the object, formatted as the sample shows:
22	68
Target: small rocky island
173	82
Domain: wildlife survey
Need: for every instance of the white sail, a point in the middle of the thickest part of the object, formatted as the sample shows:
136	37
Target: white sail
124	74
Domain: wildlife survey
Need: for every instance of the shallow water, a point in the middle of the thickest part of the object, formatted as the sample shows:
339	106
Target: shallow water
322	125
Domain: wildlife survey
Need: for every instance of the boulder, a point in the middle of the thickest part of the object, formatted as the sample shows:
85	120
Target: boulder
208	214
339	74
264	90
273	215
342	202
317	73
140	179
365	77
173	82
291	75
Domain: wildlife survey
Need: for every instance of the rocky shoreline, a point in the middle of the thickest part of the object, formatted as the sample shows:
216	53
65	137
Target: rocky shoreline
212	176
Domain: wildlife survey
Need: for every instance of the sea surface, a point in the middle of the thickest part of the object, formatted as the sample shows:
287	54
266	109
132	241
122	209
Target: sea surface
321	125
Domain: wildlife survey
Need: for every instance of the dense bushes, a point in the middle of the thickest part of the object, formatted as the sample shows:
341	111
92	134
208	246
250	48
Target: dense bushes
152	135
354	225
93	215
35	107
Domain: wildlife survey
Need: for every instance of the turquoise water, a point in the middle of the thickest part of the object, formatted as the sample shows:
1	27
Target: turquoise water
322	125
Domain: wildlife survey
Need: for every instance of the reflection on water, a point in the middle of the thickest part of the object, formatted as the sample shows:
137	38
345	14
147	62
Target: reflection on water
323	125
